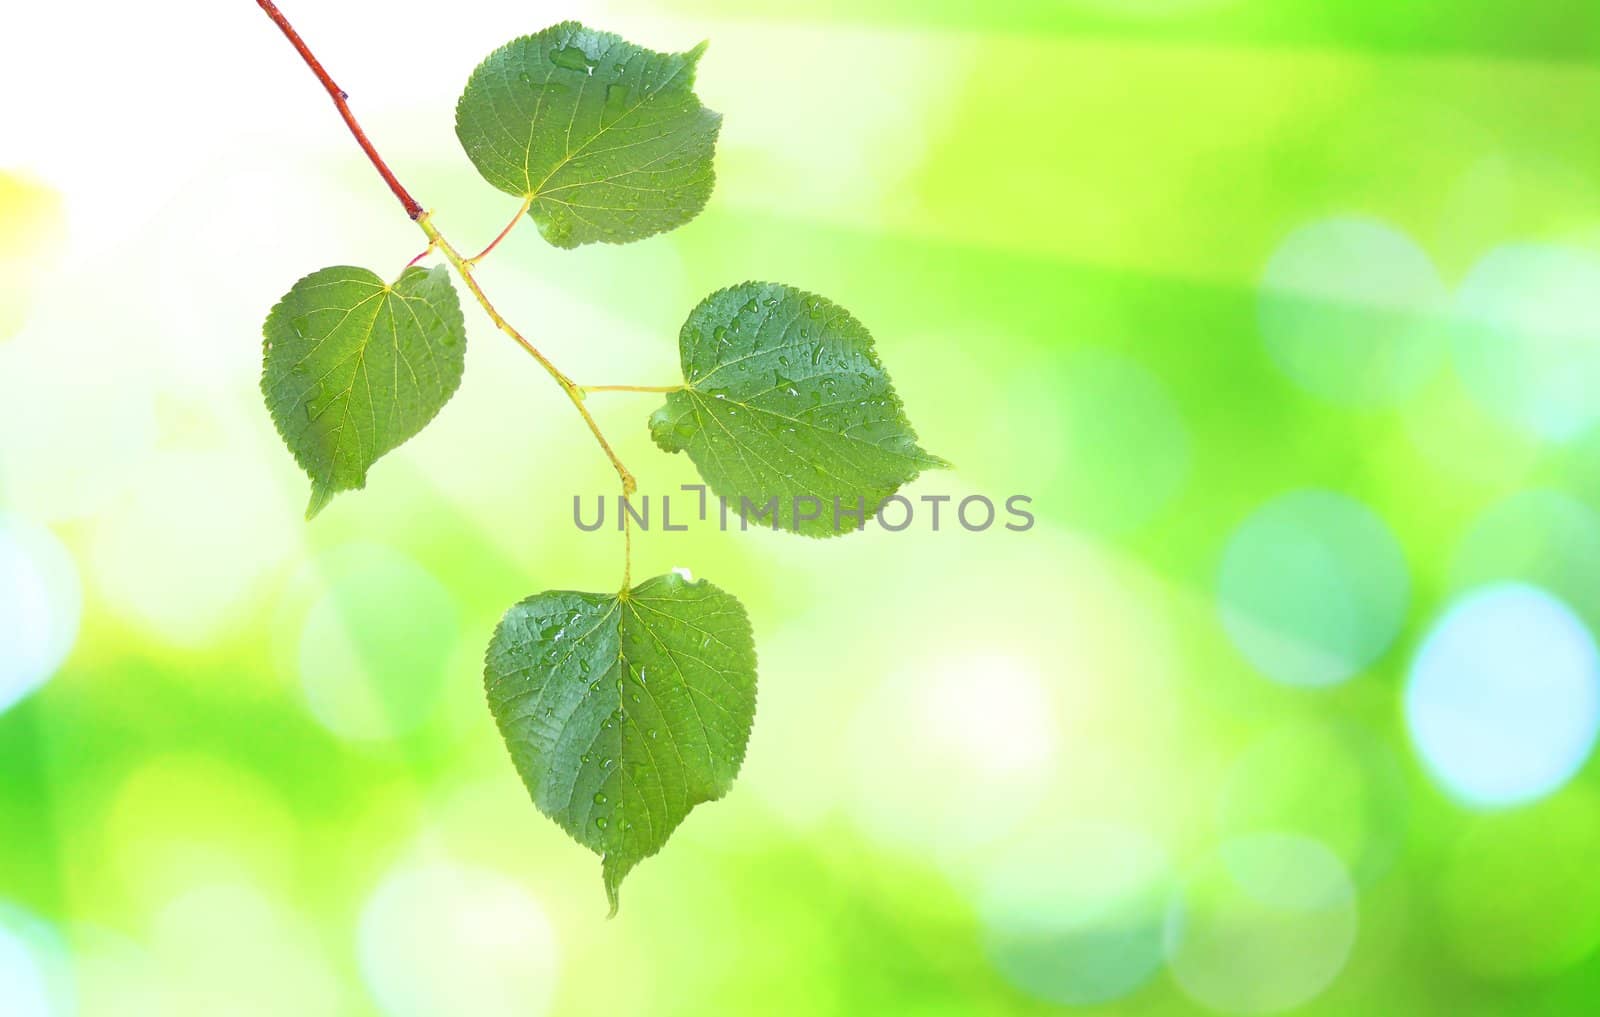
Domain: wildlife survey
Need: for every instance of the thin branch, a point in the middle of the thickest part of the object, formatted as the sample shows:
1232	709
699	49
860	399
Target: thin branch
574	393
463	266
627	554
339	97
526	204
631	388
426	251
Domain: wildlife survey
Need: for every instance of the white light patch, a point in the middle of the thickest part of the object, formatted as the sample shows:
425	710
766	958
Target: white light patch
1503	700
879	131
952	753
40	603
57	465
200	296
993	711
216	525
443	938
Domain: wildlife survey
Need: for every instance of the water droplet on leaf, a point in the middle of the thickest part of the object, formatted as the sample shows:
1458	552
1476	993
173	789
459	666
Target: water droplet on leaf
572	58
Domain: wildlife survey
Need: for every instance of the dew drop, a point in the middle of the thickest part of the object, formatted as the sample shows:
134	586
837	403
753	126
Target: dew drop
572	58
616	101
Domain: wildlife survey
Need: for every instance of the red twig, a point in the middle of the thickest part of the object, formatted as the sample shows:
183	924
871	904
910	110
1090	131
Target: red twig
496	241
339	97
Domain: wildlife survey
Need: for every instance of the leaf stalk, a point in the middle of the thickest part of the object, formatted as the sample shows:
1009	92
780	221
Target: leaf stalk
464	269
631	388
527	203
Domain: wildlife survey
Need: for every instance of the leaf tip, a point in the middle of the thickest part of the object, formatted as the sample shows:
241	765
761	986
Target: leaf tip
320	496
613	882
693	56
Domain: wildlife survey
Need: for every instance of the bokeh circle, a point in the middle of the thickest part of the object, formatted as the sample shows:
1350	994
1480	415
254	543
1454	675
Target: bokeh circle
1263	925
1075	916
40	603
1503	698
1353	310
1313	588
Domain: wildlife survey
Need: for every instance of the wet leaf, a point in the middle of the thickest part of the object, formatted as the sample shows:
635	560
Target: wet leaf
605	139
354	367
623	712
785	406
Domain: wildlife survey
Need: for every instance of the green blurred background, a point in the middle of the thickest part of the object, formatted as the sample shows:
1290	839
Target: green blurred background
1285	314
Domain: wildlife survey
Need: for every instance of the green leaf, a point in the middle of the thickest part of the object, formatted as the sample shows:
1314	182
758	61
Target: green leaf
606	140
784	399
624	712
354	367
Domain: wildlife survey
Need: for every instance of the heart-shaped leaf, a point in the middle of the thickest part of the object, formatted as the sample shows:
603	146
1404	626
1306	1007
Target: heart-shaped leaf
624	712
786	411
606	140
354	367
